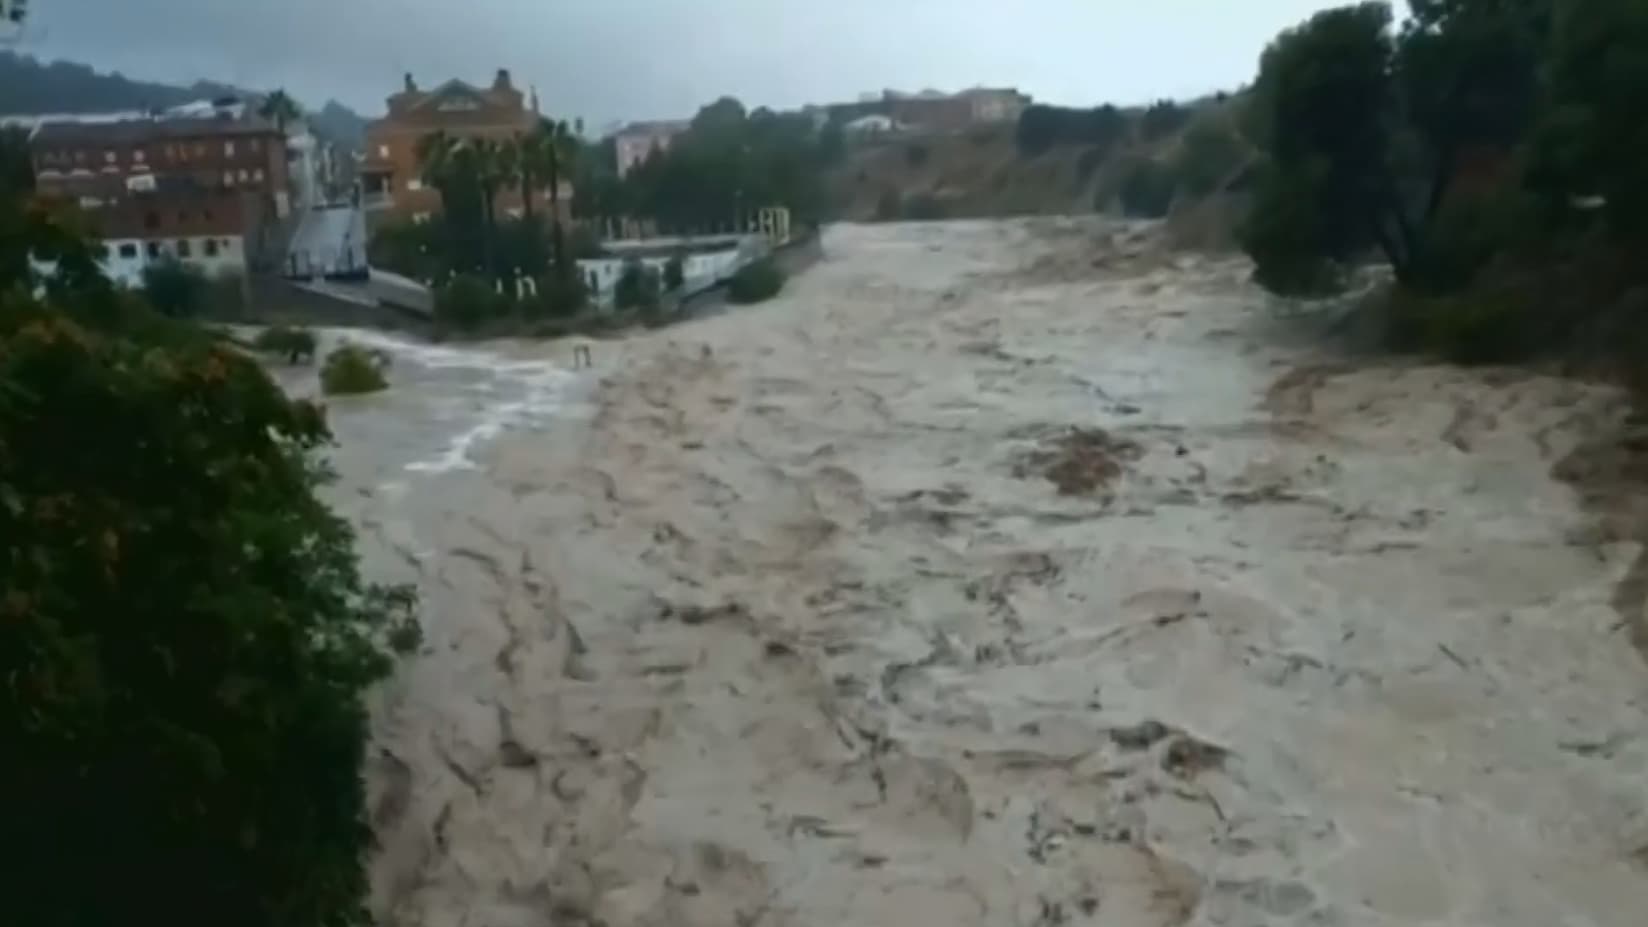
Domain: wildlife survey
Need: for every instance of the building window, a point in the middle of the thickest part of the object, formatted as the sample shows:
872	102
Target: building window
257	175
200	149
139	156
414	184
420	218
228	178
211	247
128	250
383	152
245	175
183	247
154	250
228	149
80	157
109	157
256	145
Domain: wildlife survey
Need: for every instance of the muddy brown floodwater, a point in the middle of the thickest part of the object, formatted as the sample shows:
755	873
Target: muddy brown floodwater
1000	574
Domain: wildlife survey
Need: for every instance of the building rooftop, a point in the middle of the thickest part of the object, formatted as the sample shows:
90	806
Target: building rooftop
656	127
128	128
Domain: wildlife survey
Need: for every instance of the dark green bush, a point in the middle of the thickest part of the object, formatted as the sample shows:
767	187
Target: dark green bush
467	302
296	345
755	282
638	287
1147	189
352	370
175	289
924	207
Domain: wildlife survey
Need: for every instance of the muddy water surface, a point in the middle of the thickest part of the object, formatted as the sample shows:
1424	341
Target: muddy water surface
999	574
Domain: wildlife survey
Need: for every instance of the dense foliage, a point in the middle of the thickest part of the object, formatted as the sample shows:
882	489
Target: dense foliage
1489	150
185	637
351	370
293	345
728	165
675	273
1040	127
755	282
638	287
1147	188
1368	130
175	288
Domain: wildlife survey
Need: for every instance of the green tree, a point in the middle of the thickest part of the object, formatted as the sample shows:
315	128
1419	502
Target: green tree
175	289
1210	154
279	107
755	282
1592	139
674	273
185	639
637	288
1147	189
548	154
1322	106
1163	118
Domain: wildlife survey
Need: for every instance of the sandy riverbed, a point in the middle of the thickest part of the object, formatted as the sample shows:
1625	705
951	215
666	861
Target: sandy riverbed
798	631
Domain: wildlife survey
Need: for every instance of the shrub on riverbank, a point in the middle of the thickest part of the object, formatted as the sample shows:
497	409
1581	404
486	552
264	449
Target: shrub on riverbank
296	345
352	370
469	303
756	282
638	287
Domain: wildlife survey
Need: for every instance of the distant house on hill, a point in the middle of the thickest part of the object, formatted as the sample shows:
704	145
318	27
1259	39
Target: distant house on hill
871	126
637	141
952	112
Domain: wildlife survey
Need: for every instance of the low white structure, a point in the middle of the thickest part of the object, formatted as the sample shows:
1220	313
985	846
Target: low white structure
601	274
124	259
871	125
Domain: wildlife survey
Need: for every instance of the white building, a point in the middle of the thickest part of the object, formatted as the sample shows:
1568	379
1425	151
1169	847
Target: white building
123	260
871	125
636	142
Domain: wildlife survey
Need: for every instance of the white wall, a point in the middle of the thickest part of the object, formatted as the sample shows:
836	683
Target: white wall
696	268
126	257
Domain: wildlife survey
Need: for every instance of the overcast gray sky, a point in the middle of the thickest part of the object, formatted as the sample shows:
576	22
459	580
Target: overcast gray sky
628	59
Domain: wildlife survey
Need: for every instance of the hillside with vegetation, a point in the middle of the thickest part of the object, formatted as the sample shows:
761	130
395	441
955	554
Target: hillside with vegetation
29	86
1140	162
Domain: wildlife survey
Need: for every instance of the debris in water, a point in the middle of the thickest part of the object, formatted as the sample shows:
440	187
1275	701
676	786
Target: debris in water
1081	461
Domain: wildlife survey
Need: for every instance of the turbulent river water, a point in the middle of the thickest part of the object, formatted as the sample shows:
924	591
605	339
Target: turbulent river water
1002	574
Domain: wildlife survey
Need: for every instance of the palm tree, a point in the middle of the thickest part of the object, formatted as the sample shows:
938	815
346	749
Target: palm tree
553	149
279	107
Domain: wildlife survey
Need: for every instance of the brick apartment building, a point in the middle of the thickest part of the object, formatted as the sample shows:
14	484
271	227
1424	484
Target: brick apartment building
205	184
392	184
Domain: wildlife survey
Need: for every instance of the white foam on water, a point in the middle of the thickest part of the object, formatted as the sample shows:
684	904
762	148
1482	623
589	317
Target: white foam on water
537	389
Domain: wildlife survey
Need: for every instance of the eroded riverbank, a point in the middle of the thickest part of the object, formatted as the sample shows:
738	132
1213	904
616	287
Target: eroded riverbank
783	622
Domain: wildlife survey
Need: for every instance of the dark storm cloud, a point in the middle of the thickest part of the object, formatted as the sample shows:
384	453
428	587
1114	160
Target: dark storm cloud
609	59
